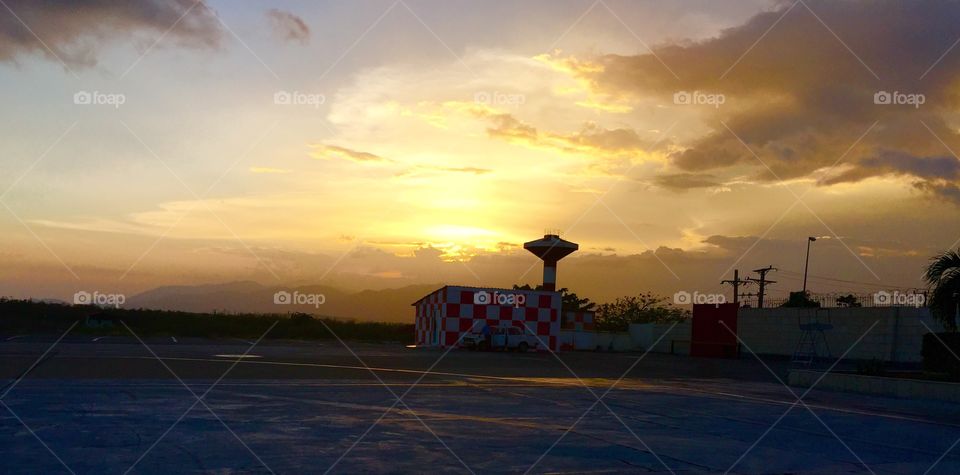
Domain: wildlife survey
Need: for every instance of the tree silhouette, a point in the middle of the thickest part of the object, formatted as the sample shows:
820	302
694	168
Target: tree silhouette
569	301
642	308
943	276
849	300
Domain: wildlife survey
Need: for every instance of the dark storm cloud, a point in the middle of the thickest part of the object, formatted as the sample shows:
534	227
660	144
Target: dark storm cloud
799	98
900	163
72	29
288	26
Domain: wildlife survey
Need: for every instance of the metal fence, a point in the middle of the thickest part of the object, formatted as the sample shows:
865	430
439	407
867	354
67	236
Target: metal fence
885	298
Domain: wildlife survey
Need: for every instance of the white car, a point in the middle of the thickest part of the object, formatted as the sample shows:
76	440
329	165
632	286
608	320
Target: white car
474	341
513	338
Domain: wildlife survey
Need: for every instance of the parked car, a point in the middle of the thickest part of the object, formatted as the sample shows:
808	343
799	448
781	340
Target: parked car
513	338
474	341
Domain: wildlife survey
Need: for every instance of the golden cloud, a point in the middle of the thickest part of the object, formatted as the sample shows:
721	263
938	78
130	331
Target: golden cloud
330	152
799	99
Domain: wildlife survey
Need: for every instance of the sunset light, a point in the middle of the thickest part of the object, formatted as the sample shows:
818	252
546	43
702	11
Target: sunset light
322	204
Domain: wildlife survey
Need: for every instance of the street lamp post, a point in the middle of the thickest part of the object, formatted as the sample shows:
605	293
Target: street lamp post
807	265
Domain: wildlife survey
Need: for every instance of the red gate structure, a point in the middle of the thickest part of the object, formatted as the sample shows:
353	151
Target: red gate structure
714	331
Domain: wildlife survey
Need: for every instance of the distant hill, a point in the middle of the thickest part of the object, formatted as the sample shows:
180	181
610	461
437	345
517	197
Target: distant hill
387	305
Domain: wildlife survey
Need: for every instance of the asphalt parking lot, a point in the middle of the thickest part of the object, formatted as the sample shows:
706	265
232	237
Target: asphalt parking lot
93	404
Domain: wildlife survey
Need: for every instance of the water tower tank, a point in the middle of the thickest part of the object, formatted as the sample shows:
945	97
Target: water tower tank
550	249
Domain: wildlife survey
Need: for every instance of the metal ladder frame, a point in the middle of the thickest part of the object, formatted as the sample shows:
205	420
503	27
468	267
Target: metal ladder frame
806	351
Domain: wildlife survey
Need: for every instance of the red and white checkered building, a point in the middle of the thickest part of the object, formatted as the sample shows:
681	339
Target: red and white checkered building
578	321
448	313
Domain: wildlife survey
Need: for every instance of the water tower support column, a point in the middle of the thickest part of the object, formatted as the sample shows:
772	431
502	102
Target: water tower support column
550	276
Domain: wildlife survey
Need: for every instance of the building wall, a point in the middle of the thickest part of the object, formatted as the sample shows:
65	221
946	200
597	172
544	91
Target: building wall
460	314
577	340
578	321
425	322
662	337
897	336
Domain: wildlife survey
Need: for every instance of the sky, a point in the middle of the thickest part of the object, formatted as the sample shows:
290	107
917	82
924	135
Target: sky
377	144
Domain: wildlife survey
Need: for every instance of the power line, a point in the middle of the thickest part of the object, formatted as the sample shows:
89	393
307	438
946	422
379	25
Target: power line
736	283
836	284
762	283
833	279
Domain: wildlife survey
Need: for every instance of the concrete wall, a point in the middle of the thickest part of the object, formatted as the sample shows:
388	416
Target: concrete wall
894	387
580	340
615	341
677	341
897	336
590	341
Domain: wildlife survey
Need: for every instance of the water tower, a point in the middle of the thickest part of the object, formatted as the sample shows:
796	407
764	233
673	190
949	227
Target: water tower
551	249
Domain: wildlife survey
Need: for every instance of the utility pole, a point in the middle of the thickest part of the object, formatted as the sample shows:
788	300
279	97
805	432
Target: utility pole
736	282
762	283
807	264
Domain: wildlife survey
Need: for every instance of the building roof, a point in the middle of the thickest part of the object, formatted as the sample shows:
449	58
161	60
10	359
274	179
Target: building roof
494	289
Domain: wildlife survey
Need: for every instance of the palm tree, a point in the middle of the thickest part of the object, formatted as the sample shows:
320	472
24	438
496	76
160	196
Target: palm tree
943	276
